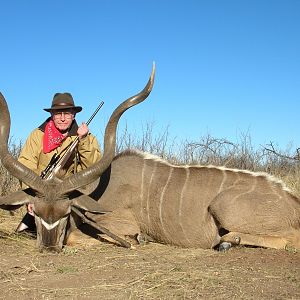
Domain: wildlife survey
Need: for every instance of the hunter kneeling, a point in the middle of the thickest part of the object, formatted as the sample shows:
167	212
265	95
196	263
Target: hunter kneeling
47	143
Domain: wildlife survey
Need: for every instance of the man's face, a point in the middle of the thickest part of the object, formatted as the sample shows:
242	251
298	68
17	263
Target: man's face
63	119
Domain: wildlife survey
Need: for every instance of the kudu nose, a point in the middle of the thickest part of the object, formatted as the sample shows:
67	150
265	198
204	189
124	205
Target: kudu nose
53	249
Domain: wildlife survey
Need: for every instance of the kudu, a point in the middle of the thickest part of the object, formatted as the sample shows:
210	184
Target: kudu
190	206
53	199
196	206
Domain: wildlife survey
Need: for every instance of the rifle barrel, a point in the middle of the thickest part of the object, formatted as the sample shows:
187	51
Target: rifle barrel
90	119
95	112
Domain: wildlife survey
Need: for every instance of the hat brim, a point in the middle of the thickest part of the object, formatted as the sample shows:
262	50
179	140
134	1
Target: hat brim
76	108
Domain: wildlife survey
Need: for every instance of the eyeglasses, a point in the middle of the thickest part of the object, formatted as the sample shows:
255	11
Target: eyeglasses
60	114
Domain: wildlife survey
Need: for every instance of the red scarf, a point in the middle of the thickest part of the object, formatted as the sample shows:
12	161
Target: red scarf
53	138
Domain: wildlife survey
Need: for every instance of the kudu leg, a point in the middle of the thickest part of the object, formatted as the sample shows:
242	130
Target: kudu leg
120	221
237	238
251	219
102	229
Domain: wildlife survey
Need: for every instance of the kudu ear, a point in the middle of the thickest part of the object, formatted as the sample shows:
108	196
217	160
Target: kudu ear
86	203
17	199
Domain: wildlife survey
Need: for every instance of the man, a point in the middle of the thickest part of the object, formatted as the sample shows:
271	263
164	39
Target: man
53	137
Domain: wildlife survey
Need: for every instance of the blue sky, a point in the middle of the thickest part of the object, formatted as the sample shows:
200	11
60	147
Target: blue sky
223	68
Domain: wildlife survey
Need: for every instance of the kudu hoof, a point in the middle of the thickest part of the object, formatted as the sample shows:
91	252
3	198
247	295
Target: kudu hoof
224	246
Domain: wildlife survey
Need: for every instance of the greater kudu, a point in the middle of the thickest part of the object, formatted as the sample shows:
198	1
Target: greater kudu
53	199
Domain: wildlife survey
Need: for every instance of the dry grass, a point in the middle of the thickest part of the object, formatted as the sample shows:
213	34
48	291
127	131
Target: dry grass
153	271
9	183
150	272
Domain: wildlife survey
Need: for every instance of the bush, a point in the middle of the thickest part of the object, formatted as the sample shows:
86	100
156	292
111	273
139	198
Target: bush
8	183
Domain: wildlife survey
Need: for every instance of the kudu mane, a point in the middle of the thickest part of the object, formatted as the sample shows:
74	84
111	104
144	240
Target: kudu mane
155	158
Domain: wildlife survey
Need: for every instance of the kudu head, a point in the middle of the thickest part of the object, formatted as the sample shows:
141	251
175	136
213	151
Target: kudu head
53	199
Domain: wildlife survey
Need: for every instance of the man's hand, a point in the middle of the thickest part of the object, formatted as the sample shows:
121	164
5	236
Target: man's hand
82	131
30	209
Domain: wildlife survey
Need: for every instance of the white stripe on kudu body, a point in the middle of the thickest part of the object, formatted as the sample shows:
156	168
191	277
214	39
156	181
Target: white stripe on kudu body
187	176
149	200
162	198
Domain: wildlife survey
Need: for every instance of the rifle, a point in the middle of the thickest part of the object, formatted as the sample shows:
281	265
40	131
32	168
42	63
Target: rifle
58	161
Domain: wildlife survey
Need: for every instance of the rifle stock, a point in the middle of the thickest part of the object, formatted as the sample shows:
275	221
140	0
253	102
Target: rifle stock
57	162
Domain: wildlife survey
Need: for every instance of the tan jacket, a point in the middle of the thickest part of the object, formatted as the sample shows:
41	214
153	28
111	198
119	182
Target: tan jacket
33	157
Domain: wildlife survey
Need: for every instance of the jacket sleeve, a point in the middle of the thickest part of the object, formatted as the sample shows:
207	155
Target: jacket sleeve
89	151
30	151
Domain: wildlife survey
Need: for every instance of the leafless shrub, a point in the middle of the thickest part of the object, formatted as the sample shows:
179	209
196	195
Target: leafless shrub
9	183
207	150
155	143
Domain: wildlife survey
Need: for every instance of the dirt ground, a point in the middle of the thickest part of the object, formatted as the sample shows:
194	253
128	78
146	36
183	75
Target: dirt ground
153	271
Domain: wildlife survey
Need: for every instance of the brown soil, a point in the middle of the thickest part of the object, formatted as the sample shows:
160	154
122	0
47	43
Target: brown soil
152	271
